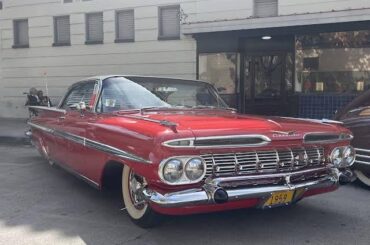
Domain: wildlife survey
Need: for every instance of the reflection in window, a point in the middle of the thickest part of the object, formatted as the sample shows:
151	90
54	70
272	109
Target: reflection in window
337	62
268	76
221	69
289	73
80	93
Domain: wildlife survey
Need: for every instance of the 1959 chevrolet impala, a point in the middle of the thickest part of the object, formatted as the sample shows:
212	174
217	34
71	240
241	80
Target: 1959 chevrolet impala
178	149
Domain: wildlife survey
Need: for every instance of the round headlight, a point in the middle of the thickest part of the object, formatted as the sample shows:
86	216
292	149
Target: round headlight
173	170
349	155
194	169
337	157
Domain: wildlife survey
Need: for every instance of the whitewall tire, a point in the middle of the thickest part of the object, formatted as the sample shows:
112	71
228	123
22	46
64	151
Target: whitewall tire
364	178
139	211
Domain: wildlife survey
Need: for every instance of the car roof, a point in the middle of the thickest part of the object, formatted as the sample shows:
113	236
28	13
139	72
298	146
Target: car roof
104	77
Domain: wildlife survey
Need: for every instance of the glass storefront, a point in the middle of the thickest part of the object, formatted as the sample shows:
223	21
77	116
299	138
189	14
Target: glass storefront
337	62
318	75
331	69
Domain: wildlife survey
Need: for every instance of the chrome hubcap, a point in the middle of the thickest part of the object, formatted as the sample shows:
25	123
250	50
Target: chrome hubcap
136	186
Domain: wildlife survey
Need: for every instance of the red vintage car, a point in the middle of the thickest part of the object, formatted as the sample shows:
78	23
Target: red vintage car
177	148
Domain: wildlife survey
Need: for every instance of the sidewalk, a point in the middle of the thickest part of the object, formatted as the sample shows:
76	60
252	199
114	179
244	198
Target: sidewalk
12	131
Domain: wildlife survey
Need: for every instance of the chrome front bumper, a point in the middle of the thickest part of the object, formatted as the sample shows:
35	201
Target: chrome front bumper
213	187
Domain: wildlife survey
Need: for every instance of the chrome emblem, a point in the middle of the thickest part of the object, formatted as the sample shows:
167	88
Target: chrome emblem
277	134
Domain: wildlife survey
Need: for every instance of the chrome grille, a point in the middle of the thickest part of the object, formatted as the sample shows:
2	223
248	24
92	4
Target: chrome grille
263	161
362	156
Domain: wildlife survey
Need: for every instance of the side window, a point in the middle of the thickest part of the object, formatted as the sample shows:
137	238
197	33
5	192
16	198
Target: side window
80	93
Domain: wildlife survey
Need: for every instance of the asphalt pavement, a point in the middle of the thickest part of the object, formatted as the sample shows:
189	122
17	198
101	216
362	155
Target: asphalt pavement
12	131
41	204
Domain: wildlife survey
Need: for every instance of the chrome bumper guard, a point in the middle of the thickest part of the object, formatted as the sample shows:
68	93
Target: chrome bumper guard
212	188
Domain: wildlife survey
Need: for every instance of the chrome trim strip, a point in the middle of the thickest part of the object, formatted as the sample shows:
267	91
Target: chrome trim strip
325	121
329	121
266	140
191	143
362	162
47	130
91	143
362	156
164	123
45	108
326	141
364	150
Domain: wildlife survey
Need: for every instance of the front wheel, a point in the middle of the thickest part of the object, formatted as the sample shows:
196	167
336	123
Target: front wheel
364	177
138	209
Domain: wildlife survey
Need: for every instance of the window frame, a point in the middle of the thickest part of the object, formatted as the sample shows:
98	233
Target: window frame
15	34
92	42
56	43
160	35
120	40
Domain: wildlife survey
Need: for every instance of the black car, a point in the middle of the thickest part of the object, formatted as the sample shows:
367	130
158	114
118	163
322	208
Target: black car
356	117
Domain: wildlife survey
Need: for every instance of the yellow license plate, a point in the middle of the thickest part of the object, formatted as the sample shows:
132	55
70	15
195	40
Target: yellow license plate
279	198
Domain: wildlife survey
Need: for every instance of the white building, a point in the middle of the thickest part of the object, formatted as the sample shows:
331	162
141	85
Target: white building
267	56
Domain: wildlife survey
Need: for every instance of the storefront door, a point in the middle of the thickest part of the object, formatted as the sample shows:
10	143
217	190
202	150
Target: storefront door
265	84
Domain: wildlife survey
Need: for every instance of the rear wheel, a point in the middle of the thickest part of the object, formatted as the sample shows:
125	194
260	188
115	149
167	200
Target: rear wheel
138	209
364	177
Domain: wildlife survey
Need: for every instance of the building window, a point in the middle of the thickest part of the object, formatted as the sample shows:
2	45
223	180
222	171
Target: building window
265	8
21	38
94	28
125	26
169	22
67	1
62	34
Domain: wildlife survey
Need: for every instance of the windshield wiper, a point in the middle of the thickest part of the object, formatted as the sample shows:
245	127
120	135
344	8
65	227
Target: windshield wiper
154	108
201	107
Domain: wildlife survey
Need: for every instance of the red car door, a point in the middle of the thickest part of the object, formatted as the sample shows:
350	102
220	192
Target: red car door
50	144
74	124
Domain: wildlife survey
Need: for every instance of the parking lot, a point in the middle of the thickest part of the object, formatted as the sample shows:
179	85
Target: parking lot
40	204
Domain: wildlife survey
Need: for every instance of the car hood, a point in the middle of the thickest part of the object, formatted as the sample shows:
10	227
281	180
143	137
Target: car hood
225	124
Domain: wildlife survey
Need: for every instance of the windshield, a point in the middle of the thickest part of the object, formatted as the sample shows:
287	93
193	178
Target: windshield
130	93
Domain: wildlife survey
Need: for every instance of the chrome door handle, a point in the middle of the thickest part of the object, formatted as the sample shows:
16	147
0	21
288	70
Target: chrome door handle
62	118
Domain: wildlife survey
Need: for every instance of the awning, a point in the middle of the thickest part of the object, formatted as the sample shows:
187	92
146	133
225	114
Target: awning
276	22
